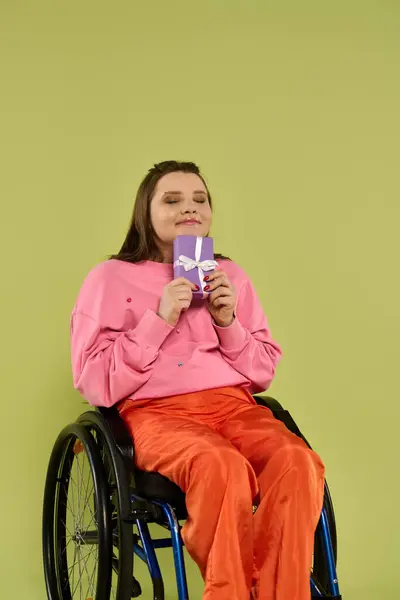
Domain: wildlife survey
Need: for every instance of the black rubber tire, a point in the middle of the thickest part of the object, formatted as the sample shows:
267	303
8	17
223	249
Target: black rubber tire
126	587
320	566
54	514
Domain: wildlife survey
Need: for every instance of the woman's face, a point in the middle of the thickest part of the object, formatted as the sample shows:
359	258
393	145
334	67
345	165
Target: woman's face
180	206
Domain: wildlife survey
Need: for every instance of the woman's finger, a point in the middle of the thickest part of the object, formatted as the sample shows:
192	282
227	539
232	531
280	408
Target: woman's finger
229	297
221	290
183	288
182	281
217	282
223	301
214	274
184	295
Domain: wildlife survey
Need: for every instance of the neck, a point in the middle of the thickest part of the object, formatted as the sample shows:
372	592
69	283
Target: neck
167	253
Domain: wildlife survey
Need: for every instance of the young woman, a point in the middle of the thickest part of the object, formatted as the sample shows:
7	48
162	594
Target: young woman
182	377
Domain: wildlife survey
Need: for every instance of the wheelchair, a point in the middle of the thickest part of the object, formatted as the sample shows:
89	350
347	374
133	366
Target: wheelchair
98	506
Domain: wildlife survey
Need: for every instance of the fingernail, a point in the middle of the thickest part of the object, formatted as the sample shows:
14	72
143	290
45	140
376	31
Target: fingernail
206	288
196	287
206	278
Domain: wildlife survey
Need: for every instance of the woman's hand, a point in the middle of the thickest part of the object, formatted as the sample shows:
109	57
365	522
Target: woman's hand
221	302
176	297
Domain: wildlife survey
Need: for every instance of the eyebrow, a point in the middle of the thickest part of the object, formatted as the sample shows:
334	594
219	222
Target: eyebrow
181	193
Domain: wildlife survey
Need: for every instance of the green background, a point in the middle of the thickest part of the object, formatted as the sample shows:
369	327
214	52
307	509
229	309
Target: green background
292	110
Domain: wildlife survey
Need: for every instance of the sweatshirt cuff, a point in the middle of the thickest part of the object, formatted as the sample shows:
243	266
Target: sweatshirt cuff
232	337
152	329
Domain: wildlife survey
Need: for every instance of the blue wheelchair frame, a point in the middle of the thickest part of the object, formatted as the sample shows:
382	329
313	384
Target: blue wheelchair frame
145	547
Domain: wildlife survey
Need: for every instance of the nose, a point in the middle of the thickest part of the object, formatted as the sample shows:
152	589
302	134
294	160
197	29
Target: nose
189	207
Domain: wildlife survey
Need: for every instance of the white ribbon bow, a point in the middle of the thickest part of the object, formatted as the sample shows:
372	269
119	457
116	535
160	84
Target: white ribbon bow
189	263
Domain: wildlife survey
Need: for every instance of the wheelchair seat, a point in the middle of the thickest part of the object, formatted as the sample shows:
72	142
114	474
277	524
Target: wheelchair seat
157	487
154	486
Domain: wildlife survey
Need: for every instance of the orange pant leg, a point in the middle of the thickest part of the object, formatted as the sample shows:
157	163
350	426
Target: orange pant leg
291	481
218	481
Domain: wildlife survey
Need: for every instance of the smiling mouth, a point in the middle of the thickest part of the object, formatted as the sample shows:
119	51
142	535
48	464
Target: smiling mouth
190	222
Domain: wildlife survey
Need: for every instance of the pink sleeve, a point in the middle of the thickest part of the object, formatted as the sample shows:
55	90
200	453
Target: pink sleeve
108	365
247	344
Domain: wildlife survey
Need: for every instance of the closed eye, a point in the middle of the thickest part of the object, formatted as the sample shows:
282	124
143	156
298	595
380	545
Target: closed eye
172	199
200	197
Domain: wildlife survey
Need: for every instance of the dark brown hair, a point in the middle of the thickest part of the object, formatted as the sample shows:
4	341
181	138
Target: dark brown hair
140	242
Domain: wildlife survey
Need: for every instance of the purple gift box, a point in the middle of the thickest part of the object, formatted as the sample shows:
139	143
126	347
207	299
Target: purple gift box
194	259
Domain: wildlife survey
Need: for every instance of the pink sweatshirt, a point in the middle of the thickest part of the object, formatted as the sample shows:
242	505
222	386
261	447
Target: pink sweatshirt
122	349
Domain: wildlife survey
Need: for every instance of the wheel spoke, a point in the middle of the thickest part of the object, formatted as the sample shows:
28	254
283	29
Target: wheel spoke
82	508
66	528
87	505
94	571
73	573
71	479
75	588
82	558
65	487
66	545
82	491
78	477
88	491
91	577
83	498
92	520
69	505
80	573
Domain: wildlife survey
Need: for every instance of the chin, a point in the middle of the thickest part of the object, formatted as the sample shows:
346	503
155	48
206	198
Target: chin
190	230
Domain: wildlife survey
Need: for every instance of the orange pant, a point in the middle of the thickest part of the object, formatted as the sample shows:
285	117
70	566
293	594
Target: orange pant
222	450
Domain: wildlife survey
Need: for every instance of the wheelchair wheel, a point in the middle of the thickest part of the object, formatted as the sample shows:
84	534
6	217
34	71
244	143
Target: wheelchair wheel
77	535
123	585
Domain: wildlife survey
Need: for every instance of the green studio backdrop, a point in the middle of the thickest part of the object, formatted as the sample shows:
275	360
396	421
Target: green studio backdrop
292	110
